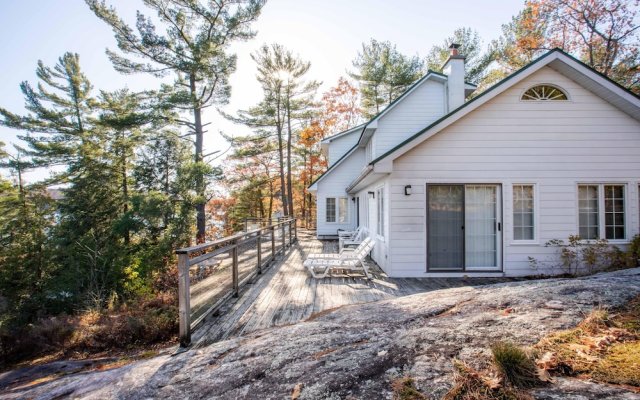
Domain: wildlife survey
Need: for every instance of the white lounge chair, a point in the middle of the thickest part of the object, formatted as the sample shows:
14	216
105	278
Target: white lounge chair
354	239
348	259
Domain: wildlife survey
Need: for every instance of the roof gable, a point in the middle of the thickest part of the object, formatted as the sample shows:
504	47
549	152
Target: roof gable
338	135
373	121
556	59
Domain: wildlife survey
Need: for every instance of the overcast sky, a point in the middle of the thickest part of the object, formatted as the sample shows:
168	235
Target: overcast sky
327	33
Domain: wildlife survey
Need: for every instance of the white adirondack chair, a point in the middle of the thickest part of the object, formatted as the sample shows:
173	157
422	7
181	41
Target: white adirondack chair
354	239
347	259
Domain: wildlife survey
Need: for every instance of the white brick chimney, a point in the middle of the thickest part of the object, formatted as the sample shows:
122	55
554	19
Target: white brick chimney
454	69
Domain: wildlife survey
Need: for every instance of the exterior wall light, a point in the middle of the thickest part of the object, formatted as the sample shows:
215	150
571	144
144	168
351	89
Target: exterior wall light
407	190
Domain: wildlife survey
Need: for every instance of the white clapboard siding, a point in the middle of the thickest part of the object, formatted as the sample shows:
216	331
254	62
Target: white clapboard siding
341	145
418	109
554	145
334	185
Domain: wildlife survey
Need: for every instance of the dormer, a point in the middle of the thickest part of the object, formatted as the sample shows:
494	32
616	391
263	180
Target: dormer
336	146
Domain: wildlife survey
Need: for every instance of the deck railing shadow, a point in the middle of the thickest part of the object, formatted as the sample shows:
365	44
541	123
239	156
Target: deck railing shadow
211	273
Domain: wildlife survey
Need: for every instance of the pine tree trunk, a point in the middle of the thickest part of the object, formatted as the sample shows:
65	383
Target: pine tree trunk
125	193
289	139
260	204
270	199
304	190
165	217
200	183
283	188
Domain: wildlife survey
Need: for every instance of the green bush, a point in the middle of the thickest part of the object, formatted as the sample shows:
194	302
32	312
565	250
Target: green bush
578	256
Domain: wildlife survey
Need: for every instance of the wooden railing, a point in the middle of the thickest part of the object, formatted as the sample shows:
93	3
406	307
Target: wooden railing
211	273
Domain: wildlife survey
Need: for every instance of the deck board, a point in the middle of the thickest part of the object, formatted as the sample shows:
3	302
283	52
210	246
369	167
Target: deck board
286	293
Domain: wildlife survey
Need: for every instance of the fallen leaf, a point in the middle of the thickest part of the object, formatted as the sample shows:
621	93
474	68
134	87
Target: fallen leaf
547	361
297	391
507	311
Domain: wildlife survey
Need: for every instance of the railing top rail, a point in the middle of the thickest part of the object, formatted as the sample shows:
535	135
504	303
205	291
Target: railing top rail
225	240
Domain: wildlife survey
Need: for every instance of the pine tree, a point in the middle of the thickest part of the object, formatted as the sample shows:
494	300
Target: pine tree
477	60
383	73
194	48
26	216
126	121
251	170
59	113
288	99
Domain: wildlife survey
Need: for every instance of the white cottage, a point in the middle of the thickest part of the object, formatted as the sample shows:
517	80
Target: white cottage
452	188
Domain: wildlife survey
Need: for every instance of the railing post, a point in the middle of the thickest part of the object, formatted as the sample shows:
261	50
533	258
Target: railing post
295	229
234	268
273	243
284	240
184	310
259	241
290	233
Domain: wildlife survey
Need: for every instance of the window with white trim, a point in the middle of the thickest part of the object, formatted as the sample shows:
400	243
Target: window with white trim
380	197
601	212
614	212
331	209
337	210
523	212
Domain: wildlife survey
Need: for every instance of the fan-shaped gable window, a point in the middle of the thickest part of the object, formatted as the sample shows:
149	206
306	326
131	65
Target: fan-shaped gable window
544	92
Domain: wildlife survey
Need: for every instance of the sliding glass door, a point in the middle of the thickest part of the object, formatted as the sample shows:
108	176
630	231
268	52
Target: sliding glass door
445	233
464	229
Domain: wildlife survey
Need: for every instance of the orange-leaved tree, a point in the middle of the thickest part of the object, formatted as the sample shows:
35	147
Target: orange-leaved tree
604	34
339	110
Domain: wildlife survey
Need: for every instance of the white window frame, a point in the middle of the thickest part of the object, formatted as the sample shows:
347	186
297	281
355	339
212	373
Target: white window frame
340	210
326	210
336	221
536	213
380	212
601	211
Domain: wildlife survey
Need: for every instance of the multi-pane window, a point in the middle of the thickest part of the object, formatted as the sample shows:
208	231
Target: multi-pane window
614	211
601	212
331	209
588	212
343	207
523	212
380	196
337	210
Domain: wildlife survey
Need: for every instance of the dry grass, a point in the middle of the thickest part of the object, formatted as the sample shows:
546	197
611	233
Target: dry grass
470	384
405	389
620	364
604	347
515	364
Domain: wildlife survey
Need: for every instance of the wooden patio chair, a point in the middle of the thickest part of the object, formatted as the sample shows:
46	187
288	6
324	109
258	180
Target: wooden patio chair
348	259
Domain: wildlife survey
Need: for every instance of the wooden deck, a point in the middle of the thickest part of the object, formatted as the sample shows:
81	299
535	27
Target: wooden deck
286	293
